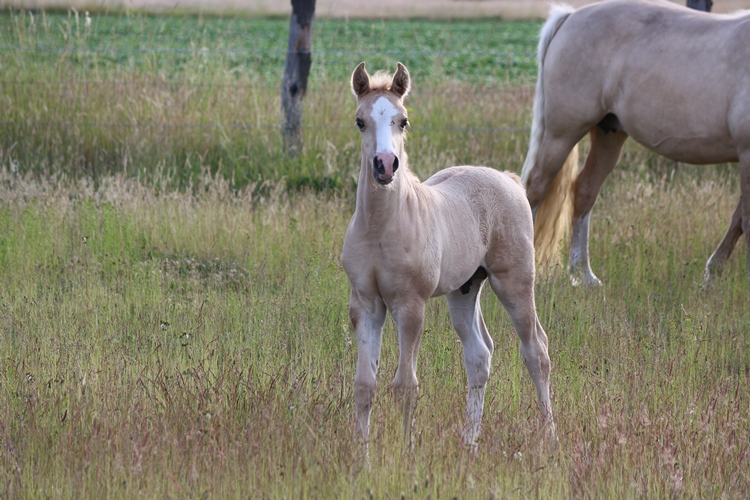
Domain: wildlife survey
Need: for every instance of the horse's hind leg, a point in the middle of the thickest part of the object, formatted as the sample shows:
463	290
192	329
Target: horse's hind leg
602	158
547	162
739	225
745	202
724	250
515	289
467	319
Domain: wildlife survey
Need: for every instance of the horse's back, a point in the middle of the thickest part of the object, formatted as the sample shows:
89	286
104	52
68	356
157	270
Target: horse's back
652	65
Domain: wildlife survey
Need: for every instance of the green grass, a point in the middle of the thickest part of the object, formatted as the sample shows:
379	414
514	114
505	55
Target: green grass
182	46
144	94
173	311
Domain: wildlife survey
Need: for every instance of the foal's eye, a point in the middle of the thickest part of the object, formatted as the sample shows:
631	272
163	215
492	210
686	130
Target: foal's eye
360	124
404	123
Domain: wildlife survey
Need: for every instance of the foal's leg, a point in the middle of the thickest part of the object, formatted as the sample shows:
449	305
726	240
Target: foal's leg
515	289
724	250
467	319
368	317
602	158
409	316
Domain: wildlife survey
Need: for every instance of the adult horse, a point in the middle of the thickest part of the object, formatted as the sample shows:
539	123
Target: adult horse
674	79
409	241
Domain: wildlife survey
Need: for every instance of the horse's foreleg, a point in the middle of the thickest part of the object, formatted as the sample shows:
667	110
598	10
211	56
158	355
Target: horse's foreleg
467	319
367	318
516	292
724	250
602	158
409	316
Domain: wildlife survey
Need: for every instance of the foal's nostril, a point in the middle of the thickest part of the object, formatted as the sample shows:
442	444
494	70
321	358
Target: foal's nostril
395	164
377	164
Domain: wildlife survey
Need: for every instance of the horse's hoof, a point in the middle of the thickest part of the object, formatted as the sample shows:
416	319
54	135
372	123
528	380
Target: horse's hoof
588	282
550	436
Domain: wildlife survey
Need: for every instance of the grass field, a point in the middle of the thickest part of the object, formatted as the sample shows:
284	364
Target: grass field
128	92
340	9
173	312
388	9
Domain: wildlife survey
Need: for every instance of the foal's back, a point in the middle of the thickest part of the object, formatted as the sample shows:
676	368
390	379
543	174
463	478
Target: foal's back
486	193
493	204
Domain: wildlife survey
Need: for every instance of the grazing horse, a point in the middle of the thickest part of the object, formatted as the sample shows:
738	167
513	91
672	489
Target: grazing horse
408	241
674	79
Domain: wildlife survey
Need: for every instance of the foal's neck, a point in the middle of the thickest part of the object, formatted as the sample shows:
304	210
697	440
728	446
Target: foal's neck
377	203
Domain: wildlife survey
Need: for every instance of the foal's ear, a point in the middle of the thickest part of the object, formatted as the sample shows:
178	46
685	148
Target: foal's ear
401	84
360	80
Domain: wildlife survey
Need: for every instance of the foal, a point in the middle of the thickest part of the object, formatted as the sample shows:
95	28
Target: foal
409	241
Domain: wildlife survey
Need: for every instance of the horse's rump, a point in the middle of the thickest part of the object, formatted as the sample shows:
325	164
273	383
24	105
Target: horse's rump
650	69
674	79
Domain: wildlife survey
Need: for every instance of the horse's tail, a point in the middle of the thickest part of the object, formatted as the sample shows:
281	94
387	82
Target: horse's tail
553	216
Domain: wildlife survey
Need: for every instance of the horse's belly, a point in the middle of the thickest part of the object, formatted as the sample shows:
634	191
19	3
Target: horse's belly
695	150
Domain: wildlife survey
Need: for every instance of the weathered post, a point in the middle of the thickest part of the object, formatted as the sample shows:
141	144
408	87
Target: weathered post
704	5
296	71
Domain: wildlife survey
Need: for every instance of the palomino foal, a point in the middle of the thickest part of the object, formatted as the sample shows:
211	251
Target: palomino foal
409	241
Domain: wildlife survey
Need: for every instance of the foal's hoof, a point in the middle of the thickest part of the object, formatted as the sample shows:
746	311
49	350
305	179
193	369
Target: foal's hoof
552	443
470	444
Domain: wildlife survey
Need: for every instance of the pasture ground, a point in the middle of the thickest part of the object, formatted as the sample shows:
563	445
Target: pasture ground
173	312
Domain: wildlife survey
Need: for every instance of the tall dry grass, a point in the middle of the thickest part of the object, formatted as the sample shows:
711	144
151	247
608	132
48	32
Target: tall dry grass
196	343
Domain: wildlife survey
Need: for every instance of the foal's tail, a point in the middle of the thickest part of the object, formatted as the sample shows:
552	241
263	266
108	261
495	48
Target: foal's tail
553	216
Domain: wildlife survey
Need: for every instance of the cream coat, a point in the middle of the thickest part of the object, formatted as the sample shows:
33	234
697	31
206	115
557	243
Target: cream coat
409	241
674	79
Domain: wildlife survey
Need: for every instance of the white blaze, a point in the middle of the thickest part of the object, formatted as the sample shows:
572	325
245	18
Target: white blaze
383	112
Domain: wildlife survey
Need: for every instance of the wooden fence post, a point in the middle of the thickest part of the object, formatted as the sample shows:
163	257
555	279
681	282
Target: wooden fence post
296	71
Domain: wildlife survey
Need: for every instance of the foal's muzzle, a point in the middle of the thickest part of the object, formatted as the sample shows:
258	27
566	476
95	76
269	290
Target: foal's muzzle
384	166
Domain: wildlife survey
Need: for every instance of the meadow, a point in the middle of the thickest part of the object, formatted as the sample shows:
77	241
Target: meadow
173	311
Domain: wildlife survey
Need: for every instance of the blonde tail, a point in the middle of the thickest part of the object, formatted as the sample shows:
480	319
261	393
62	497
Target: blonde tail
555	214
